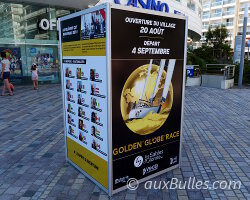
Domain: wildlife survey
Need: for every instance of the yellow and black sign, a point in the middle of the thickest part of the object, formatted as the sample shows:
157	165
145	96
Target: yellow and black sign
92	164
83	49
93	47
147	58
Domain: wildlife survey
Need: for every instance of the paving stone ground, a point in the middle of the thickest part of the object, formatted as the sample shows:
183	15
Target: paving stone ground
216	146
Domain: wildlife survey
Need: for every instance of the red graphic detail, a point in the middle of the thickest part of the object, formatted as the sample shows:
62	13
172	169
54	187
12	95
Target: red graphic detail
102	11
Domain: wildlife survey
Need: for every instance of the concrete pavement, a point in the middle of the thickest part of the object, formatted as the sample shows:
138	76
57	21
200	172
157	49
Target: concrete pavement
216	146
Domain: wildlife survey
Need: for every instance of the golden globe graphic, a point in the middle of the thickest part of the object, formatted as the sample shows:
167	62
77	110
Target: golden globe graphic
147	97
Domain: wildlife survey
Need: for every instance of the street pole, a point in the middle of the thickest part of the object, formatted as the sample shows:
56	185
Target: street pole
243	47
248	45
248	53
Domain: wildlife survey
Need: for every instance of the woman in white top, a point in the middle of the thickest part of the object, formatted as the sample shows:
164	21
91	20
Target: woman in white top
5	74
34	76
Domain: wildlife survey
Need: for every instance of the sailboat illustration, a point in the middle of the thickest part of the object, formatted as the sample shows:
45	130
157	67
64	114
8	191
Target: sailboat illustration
143	107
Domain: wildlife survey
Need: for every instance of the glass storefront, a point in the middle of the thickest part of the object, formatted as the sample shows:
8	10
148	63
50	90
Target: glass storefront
28	34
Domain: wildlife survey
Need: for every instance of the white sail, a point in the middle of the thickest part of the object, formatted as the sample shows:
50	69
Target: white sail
168	79
162	65
146	81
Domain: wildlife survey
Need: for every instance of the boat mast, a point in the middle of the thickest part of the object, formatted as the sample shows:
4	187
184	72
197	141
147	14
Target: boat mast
162	65
146	81
171	65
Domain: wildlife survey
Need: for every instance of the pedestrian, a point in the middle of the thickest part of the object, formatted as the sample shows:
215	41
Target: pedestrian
34	76
11	86
0	67
5	74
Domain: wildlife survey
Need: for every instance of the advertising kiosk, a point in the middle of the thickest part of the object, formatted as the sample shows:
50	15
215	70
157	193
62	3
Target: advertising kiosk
123	76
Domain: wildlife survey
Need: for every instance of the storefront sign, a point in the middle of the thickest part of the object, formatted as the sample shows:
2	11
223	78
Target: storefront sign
46	24
146	4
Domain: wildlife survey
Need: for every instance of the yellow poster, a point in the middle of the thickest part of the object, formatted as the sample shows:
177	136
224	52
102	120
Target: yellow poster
92	164
93	47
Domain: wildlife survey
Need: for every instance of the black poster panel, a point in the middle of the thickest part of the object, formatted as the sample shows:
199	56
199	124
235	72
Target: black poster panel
147	79
71	29
140	36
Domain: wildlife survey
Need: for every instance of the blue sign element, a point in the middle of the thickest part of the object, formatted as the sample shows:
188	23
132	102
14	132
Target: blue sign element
32	50
147	4
190	70
178	12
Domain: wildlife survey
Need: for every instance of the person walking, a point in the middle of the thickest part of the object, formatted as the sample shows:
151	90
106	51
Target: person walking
5	74
34	76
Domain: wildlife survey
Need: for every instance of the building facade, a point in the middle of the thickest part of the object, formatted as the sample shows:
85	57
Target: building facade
193	10
28	31
227	12
190	8
28	34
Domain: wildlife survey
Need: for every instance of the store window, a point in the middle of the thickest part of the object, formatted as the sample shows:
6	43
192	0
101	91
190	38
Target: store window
47	60
26	42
